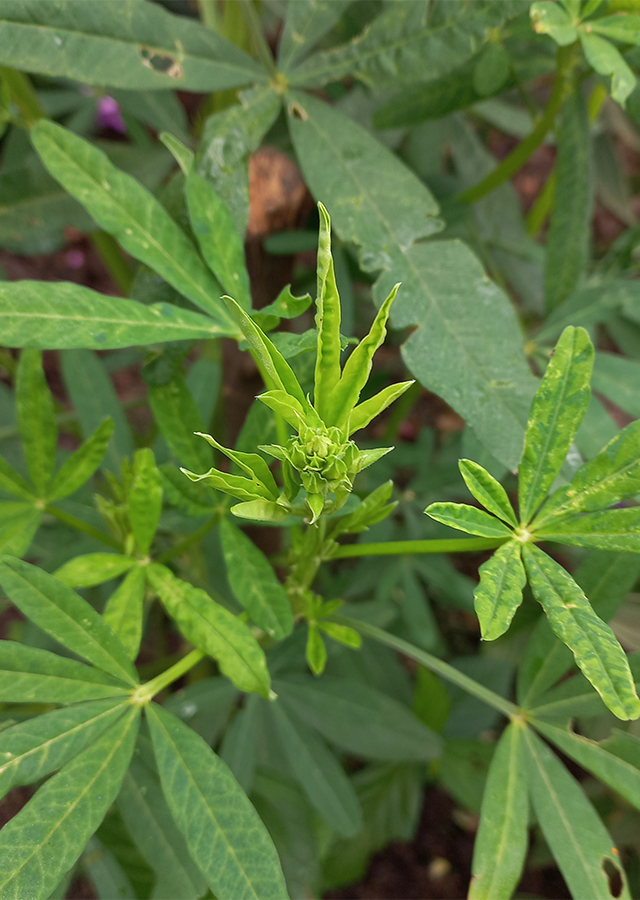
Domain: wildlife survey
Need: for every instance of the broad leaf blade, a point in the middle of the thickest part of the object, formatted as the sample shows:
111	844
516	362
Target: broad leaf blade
82	464
129	212
499	593
36	419
594	645
214	630
571	826
41	843
487	490
608	529
124	609
254	583
64	316
469	519
222	830
306	22
66	617
39	746
556	412
501	843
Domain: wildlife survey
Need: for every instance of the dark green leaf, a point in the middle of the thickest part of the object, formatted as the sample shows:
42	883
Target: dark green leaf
619	380
36	419
82	464
177	415
306	22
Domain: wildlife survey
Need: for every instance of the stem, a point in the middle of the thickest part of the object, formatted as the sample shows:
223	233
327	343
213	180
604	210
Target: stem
115	262
402	548
146	692
308	558
23	95
567	59
84	527
434	664
190	540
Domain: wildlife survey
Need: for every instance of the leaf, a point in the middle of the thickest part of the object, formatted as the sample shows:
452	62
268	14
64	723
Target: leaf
93	568
556	412
227	140
35	748
567	254
621	28
149	822
500	849
468	518
223	832
359	719
28	675
61	613
552	19
487	490
315	651
130	213
214	630
366	411
327	371
236	485
479	369
105	873
62	315
145	499
611	476
12	482
252	464
319	773
126	45
178	419
618	379
19	523
82	464
124	608
239	748
400	47
592	642
492	70
606	60
590	305
287	407
36	420
305	24
182	155
571	826
41	843
94	397
254	583
342	633
371	510
609	529
499	593
206	705
220	243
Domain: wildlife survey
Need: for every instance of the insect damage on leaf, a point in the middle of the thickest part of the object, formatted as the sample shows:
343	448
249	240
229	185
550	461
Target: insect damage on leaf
161	63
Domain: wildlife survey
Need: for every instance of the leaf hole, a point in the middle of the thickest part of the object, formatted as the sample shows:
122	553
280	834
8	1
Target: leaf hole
613	875
161	63
297	112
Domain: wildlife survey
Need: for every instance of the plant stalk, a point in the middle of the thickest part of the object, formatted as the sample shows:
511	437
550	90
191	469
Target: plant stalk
111	255
23	95
191	539
84	527
402	548
146	692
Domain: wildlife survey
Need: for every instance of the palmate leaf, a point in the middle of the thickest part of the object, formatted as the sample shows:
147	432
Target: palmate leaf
93	568
42	842
64	615
571	826
36	420
501	844
305	23
32	749
608	529
18	524
556	412
124	609
593	643
145	498
126	45
129	212
469	519
223	831
487	490
499	593
82	464
12	482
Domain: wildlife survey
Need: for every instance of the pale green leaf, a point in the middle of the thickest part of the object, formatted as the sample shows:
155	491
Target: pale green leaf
286	406
28	675
469	519
607	60
12	482
342	634
145	499
35	748
236	485
124	609
366	411
487	490
182	155
252	464
572	828
358	718
621	28
18	525
319	773
41	843
592	642
64	615
609	529
327	370
254	583
93	568
556	412
223	831
315	650
500	849
214	630
499	593
550	18
130	213
82	464
61	315
36	419
220	243
126	44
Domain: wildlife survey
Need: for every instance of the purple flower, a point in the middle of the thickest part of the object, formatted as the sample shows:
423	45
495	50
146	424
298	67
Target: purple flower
109	115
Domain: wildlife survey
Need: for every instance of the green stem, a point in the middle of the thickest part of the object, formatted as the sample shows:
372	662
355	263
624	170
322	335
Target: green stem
434	664
404	548
191	539
146	692
310	554
567	60
84	527
23	95
115	262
